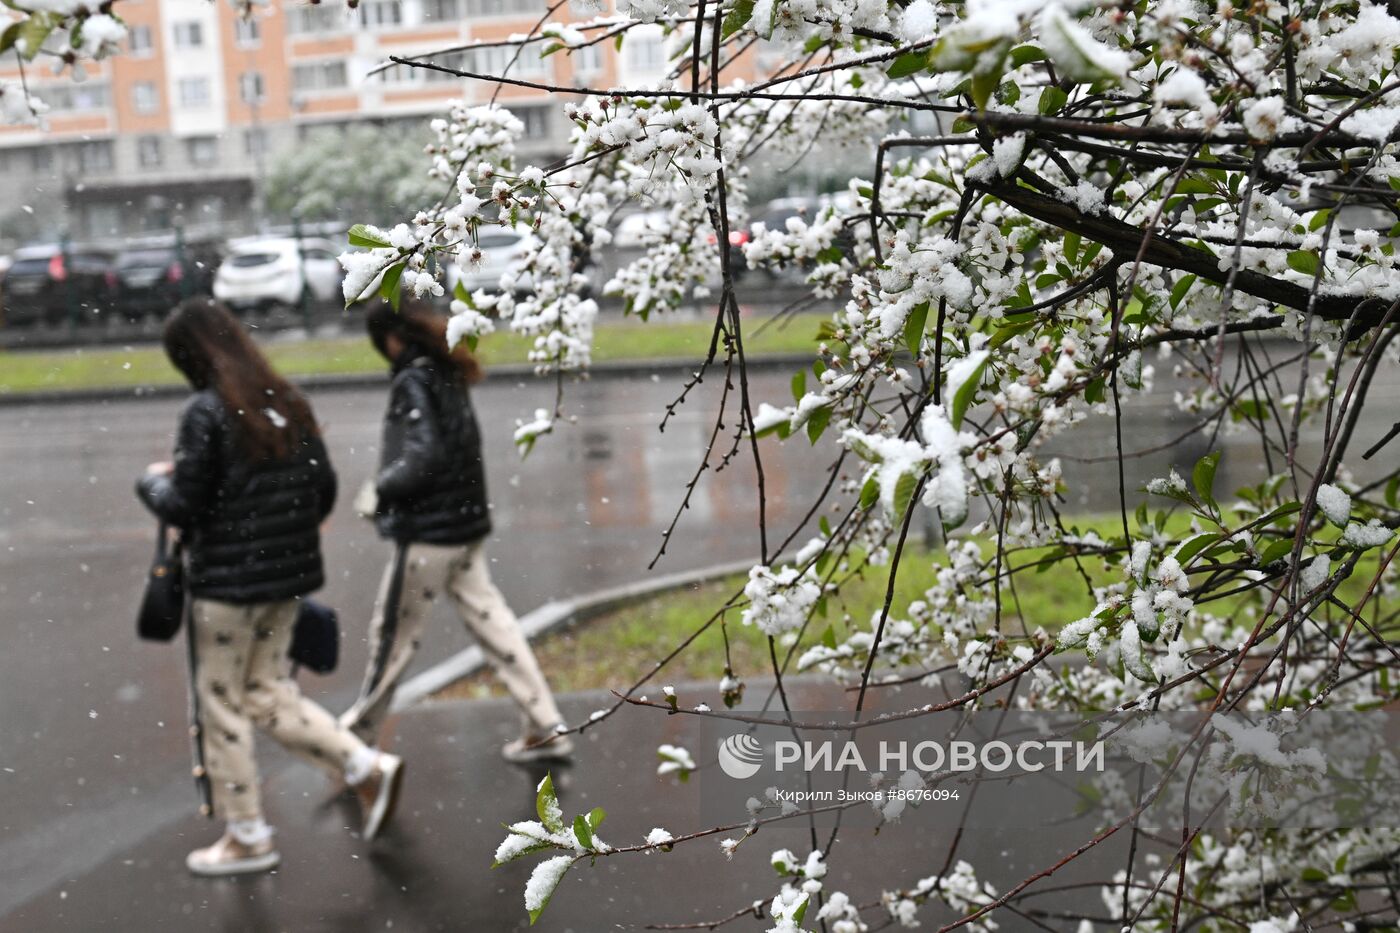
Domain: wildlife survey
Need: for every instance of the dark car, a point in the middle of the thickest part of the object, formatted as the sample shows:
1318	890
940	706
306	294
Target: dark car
51	285
153	279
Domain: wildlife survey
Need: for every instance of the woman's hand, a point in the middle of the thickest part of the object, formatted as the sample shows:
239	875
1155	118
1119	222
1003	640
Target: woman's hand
161	468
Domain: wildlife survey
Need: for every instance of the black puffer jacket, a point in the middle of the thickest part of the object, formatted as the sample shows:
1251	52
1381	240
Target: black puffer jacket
432	482
252	530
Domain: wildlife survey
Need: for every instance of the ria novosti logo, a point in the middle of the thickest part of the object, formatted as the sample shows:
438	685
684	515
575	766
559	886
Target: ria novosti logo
740	756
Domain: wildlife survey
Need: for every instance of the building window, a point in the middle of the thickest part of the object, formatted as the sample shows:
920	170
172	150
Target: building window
477	8
250	87
644	53
377	14
441	11
536	120
246	31
209	209
90	95
255	142
145	97
202	150
149	152
138	40
494	60
588	61
103	219
95	156
194	92
319	76
324	17
395	74
189	34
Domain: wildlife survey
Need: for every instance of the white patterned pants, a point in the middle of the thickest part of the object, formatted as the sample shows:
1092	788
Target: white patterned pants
243	679
460	571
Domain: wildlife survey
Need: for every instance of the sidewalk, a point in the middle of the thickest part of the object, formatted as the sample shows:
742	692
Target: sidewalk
431	868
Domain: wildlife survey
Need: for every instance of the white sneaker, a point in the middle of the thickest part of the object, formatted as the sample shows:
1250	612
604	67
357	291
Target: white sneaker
379	793
228	856
529	748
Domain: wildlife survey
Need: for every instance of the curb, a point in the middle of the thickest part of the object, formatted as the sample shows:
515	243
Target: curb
555	615
614	369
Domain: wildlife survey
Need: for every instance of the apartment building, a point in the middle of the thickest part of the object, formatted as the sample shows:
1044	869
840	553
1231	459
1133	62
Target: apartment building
183	125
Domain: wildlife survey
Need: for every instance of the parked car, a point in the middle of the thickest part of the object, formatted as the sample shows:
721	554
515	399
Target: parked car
633	230
499	248
152	279
265	272
52	285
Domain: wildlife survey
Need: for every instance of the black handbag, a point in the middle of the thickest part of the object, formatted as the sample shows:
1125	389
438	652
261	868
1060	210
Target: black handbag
163	603
316	637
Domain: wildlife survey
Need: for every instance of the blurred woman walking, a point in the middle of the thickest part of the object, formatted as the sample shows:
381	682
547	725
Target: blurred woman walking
249	487
430	500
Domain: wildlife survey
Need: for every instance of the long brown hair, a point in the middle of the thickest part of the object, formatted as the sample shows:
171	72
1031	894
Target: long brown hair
209	346
419	326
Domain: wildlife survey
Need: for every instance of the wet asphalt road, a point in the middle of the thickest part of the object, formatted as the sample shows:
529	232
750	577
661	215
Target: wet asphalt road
92	738
93	749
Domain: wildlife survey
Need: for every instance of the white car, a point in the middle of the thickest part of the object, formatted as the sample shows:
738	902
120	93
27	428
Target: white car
635	229
499	248
265	272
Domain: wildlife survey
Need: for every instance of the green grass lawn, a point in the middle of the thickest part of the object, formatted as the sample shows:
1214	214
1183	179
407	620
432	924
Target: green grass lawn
613	650
108	367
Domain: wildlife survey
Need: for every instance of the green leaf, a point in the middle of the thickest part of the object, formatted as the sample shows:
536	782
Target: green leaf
547	806
10	36
1319	220
869	493
1194	185
1304	261
1179	290
904	492
983	84
459	291
1203	476
535	914
1276	551
1193	547
799	385
914	326
1007	332
360	236
832	254
596	817
829	638
738	17
1025	54
389	285
801	910
583	832
34	31
1051	100
1071	245
907	64
1076	54
817	423
967	392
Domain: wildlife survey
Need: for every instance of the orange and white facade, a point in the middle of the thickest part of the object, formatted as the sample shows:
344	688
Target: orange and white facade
182	125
